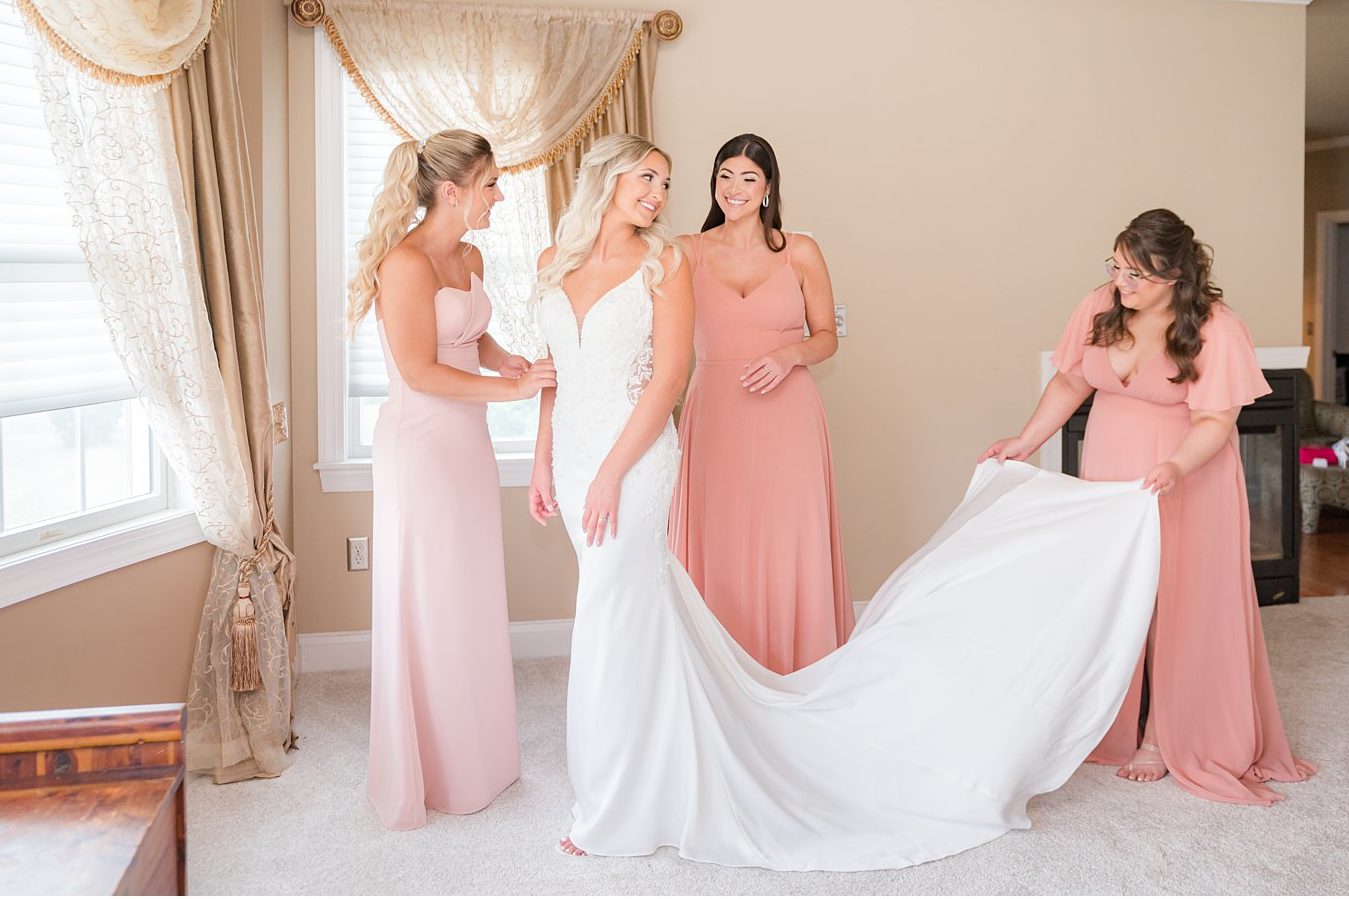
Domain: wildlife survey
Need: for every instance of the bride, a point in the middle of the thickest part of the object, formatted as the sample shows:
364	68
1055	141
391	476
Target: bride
983	672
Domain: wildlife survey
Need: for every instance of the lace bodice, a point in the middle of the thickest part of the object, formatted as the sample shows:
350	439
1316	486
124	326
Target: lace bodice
604	362
603	365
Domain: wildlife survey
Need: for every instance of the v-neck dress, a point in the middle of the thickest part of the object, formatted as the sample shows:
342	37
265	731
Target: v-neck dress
755	519
442	691
1218	724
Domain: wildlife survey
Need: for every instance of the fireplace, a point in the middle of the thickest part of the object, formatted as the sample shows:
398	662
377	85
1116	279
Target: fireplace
1267	434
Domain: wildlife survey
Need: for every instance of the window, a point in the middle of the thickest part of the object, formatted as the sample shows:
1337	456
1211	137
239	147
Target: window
510	248
76	452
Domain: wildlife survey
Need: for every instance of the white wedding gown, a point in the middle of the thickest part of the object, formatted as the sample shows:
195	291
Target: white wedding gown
982	673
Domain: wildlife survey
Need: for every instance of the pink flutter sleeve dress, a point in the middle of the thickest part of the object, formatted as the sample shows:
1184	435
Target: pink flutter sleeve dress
1217	720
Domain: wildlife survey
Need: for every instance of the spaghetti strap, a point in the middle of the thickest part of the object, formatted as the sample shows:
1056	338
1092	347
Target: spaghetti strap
787	237
696	250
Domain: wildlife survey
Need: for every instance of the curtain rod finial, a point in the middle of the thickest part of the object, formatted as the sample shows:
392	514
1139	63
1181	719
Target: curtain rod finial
308	13
666	24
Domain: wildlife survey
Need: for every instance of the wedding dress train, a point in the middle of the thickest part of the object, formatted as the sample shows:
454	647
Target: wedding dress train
982	673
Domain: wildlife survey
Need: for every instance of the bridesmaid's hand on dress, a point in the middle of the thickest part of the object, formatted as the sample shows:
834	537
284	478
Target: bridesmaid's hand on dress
600	513
513	366
1015	448
766	372
1163	479
542	502
539	375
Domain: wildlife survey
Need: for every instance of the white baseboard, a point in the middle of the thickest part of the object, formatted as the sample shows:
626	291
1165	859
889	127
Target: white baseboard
350	650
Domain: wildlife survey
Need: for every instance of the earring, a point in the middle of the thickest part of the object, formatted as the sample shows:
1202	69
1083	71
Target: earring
765	201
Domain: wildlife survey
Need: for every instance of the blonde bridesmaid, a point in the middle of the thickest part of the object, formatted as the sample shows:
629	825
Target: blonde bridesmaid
754	519
442	694
1171	366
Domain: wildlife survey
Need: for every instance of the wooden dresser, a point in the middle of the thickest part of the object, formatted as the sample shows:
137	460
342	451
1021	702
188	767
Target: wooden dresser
91	801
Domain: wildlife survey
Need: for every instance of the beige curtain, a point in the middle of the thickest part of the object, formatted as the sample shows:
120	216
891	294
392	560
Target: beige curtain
160	185
239	723
125	42
630	112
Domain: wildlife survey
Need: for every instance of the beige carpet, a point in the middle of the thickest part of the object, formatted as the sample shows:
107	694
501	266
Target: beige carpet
312	831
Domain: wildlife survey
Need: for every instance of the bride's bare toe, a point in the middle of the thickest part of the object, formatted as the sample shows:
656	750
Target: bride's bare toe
567	847
1145	767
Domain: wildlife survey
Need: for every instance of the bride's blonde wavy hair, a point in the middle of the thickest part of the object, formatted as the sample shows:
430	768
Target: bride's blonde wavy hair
414	170
579	226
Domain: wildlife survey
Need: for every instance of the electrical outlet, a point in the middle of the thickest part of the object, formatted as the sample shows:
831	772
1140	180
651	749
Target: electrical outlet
841	320
358	554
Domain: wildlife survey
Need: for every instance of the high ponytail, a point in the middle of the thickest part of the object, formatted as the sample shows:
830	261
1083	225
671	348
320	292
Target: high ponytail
390	218
412	174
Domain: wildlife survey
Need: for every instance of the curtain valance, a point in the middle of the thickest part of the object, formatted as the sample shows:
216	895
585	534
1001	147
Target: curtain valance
140	43
533	80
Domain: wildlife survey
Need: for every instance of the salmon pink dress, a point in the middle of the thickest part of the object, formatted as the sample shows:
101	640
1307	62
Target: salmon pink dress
754	519
1217	721
442	692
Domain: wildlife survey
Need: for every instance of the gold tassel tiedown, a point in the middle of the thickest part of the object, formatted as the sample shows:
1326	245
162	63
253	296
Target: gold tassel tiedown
245	670
244	673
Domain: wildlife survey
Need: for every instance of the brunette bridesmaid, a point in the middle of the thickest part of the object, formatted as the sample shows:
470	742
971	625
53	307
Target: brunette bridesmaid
1171	366
442	694
754	519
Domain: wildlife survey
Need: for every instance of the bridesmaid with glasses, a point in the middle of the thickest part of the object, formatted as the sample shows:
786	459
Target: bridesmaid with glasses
754	519
1171	366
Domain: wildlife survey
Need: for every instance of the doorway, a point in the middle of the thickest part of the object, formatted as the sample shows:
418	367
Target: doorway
1332	303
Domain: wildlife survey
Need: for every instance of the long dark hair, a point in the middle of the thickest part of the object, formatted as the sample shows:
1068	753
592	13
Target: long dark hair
1162	245
760	152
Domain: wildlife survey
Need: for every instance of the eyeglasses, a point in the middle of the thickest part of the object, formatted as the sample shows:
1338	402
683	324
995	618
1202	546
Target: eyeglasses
1131	275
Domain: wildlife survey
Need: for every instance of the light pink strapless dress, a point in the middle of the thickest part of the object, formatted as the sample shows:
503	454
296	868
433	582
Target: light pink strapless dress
754	519
1218	724
442	692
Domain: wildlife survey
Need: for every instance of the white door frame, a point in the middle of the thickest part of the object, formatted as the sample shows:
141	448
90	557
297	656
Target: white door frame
1326	223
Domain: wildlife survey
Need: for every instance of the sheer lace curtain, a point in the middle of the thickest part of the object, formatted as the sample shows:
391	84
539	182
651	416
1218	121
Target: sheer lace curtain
113	137
535	81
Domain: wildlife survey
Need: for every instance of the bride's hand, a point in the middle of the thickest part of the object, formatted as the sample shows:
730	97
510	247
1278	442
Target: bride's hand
600	513
542	503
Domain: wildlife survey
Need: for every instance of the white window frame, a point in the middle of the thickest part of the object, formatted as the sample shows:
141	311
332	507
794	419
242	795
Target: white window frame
338	471
89	553
48	555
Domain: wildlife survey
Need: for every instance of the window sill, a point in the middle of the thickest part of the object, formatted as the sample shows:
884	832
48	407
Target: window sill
37	571
353	476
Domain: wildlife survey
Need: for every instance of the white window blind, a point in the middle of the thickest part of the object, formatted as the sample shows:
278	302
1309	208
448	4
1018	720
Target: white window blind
55	352
510	249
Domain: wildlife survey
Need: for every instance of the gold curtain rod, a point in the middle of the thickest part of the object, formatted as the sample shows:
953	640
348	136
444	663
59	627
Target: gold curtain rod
666	24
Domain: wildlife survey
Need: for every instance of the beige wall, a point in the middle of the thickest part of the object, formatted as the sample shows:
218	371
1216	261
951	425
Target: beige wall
1326	190
121	638
127	637
965	165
